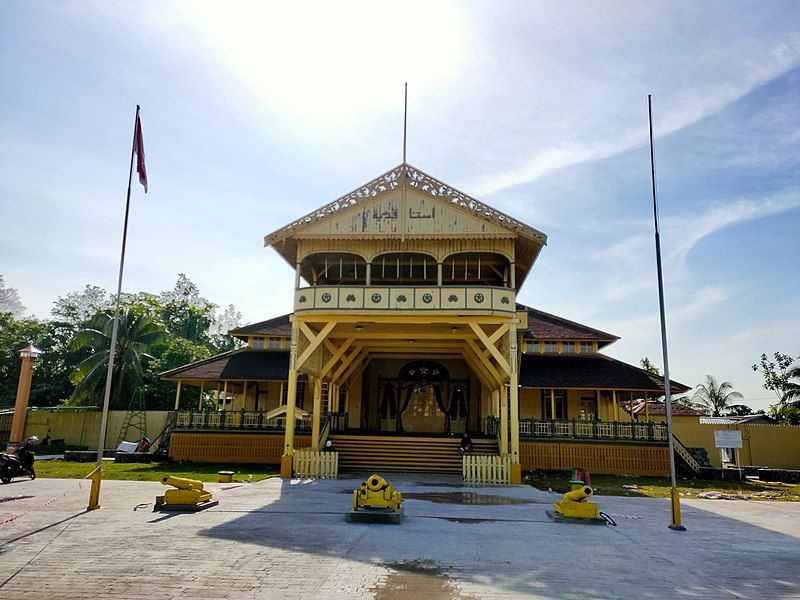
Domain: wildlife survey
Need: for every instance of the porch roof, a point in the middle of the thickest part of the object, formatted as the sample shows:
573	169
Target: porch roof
588	371
246	364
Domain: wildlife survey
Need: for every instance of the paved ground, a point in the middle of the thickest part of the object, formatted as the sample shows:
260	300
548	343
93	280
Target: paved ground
279	540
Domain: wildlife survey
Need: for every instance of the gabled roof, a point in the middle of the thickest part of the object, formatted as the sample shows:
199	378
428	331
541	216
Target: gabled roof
587	371
528	241
544	326
245	364
279	326
405	174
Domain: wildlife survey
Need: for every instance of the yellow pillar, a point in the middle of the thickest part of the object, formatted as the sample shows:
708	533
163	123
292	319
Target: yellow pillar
200	401
225	395
291	398
616	407
503	420
315	419
552	404
178	395
647	408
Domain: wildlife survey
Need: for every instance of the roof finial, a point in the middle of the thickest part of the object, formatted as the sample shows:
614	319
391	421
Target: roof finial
405	123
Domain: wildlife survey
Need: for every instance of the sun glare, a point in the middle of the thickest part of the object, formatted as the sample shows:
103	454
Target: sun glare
330	61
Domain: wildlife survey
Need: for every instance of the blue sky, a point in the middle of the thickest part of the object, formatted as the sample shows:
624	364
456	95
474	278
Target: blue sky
255	113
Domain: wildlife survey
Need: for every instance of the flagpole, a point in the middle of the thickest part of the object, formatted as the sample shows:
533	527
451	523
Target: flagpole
94	494
675	520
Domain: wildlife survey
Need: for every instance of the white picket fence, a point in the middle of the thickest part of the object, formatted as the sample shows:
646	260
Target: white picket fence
486	469
316	465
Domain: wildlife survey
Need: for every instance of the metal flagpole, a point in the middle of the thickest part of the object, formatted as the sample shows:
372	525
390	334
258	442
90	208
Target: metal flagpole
675	521
405	121
94	494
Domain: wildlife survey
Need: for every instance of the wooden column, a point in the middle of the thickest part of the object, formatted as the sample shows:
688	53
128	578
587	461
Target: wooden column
503	420
202	390
616	407
439	274
178	395
552	404
315	418
291	399
647	408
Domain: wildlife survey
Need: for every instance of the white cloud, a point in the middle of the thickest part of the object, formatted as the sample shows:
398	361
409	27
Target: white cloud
674	111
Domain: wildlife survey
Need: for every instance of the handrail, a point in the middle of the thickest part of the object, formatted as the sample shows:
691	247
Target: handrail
684	453
596	430
236	419
325	430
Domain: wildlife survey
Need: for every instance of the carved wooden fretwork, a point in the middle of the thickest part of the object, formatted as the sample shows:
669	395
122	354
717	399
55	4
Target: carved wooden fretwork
416	179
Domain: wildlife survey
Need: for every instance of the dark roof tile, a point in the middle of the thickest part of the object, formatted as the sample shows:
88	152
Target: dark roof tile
588	371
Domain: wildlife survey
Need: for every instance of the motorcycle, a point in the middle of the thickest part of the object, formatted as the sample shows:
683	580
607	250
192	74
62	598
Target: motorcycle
20	463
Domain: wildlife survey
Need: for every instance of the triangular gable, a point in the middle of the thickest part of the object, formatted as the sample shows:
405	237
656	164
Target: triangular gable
425	192
404	210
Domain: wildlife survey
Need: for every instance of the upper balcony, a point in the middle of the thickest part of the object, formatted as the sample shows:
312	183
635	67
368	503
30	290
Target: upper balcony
478	299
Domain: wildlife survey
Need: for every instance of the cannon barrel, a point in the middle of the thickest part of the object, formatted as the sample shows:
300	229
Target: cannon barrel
580	494
182	483
375	483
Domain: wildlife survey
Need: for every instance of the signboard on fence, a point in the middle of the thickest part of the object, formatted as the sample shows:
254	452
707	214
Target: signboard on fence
727	438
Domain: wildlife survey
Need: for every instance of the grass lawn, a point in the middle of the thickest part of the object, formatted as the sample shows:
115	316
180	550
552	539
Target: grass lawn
206	472
659	487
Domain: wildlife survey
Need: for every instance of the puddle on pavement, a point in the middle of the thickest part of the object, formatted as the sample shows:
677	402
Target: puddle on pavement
466	520
12	498
465	498
418	579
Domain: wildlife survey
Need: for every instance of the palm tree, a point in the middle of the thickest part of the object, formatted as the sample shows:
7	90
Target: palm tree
138	337
716	397
792	389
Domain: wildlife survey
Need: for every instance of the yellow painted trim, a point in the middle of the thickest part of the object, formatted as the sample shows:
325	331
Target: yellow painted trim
335	358
501	361
314	340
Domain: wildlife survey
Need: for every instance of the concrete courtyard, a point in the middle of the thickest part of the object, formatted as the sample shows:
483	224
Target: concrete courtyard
277	539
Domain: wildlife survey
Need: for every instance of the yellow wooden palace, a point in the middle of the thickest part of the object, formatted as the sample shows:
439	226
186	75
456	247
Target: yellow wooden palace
406	332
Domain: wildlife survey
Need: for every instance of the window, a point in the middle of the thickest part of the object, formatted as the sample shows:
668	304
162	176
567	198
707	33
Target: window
532	347
561	405
274	343
568	347
550	347
256	342
587	347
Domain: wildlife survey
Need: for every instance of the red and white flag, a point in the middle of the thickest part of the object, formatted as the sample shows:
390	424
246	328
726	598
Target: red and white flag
138	147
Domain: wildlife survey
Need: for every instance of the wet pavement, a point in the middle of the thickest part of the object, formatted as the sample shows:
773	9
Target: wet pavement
279	539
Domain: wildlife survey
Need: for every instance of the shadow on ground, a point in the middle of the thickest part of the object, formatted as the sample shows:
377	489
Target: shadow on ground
487	541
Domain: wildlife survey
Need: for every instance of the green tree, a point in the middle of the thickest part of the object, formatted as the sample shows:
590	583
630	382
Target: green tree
716	397
139	337
778	374
177	352
649	367
51	382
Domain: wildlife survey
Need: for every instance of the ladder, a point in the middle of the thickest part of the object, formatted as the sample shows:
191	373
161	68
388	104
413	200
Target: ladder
135	418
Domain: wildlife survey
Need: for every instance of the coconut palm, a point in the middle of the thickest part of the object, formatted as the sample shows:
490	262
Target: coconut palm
138	337
716	397
792	389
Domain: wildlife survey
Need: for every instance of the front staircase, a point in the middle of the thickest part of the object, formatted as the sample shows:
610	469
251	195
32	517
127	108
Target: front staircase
405	454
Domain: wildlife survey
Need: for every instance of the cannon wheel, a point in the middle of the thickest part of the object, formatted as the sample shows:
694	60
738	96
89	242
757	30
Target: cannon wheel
355	500
32	474
5	476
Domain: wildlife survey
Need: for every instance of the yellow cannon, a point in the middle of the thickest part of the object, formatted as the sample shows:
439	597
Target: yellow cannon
575	504
189	494
376	492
